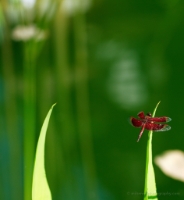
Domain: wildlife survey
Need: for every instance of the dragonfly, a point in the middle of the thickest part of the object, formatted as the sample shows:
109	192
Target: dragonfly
150	123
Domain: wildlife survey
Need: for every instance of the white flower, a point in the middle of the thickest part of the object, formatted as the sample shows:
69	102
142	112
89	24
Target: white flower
172	164
72	6
28	3
25	33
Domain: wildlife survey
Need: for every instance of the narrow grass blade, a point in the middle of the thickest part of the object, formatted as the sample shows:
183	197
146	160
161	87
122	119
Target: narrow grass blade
150	191
40	188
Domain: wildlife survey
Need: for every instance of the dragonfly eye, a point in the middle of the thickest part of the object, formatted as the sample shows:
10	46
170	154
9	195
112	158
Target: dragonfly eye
149	114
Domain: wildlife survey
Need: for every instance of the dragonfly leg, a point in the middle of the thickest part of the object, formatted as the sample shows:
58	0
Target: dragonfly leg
141	132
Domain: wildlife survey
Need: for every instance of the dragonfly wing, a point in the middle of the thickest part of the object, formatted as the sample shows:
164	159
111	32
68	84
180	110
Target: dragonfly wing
159	119
165	128
135	122
157	127
141	115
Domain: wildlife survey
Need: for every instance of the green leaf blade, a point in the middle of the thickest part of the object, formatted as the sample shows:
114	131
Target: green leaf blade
40	187
150	191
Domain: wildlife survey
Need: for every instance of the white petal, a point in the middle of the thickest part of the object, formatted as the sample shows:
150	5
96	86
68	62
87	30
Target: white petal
172	164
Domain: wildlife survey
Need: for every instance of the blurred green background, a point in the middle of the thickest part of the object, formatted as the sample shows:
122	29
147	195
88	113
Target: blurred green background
102	61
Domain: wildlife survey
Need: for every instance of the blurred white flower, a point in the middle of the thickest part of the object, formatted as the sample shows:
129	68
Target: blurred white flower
172	164
24	33
72	6
126	84
28	3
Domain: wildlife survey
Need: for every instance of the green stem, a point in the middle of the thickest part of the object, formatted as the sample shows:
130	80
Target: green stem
63	79
11	118
82	99
29	118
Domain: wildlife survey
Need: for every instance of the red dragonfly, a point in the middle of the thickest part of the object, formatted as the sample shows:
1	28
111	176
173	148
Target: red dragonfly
150	123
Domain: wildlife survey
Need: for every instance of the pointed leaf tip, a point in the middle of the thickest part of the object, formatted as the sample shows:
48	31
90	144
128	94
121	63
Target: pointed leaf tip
40	187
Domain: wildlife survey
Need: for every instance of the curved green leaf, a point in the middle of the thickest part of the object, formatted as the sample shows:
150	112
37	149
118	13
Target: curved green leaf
150	191
40	188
